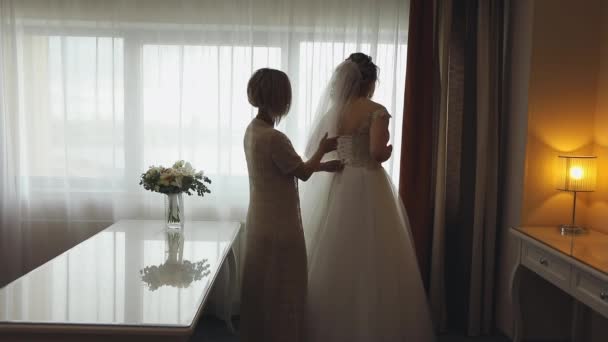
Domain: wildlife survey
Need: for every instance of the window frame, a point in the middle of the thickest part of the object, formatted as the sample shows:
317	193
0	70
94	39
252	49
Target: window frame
134	39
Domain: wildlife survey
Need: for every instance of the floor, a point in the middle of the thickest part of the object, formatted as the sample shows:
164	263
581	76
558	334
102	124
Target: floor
213	330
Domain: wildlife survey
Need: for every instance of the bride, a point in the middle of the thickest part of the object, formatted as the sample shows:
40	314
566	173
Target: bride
363	281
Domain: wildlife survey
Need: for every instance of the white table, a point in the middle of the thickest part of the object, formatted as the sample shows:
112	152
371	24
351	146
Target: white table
576	264
96	289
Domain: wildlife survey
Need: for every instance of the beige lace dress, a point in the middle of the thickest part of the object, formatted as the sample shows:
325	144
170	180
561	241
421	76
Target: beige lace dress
275	274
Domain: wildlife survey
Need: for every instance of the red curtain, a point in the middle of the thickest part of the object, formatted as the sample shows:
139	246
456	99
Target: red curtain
416	159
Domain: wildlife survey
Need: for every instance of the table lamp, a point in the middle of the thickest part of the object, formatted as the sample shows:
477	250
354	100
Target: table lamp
576	174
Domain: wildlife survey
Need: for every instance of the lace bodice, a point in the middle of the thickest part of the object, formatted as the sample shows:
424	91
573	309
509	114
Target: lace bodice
354	149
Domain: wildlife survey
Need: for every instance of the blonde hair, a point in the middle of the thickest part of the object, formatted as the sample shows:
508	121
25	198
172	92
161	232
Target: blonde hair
270	91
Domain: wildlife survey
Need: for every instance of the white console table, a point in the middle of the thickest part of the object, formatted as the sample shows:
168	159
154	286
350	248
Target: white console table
577	264
97	290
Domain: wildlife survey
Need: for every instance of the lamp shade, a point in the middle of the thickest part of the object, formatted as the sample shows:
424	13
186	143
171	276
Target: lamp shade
577	173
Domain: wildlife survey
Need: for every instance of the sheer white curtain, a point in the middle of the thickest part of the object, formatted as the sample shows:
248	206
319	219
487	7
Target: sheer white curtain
94	92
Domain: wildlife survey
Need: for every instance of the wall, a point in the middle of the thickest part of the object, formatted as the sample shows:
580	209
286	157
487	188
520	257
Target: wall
598	211
597	330
559	75
562	104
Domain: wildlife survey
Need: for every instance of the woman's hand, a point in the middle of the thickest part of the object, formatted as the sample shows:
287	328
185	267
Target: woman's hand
314	163
332	166
327	144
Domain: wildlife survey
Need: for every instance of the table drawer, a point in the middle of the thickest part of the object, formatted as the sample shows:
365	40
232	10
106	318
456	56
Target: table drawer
546	265
590	290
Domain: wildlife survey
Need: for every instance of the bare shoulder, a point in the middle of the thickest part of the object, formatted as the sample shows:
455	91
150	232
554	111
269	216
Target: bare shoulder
359	114
370	105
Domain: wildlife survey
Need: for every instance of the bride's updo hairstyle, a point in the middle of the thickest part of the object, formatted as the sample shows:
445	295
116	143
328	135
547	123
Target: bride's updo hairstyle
270	91
369	72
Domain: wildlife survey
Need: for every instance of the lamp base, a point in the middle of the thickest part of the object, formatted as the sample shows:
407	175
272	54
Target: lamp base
571	229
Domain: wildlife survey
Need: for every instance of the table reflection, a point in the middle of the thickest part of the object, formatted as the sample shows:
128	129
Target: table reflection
591	248
175	271
132	273
550	236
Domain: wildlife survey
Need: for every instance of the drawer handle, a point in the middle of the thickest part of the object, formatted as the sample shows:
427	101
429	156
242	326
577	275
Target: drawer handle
543	261
604	296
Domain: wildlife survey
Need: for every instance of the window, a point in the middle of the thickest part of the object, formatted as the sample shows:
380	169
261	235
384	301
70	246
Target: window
195	104
103	103
75	106
101	116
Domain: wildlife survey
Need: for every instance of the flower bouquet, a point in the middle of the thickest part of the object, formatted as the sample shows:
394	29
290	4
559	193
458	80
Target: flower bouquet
179	275
173	181
174	272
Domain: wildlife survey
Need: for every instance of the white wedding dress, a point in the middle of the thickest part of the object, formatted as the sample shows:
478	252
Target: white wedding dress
364	284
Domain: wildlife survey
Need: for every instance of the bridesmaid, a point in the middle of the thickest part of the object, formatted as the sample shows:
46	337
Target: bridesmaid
275	273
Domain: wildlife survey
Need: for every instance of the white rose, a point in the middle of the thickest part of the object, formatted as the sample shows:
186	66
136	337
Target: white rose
178	181
166	178
188	169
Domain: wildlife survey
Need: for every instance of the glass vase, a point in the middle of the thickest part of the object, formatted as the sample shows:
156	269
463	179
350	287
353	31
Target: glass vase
175	247
174	211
